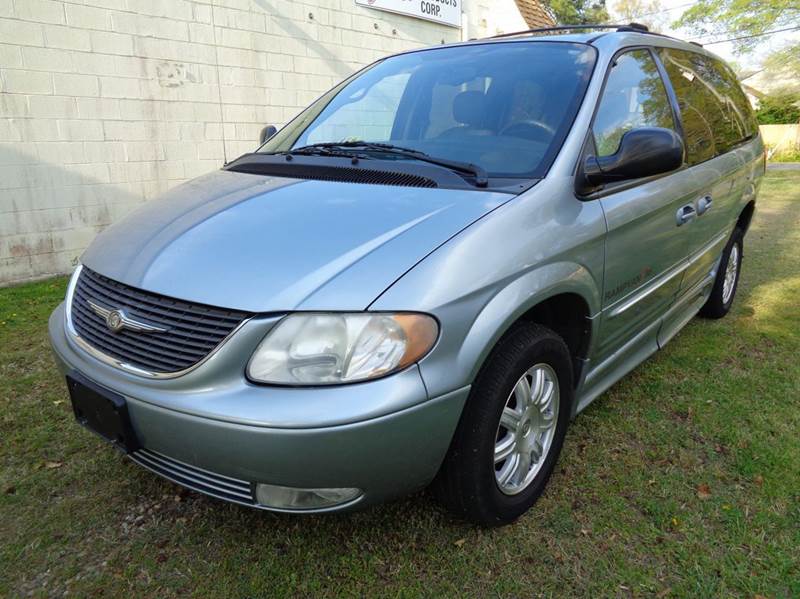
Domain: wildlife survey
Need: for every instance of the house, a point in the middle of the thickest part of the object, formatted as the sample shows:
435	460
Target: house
761	82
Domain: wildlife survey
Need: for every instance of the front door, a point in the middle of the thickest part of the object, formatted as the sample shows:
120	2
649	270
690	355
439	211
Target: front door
647	241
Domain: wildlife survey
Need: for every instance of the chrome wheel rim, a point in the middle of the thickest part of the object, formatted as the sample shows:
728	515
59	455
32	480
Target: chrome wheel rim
731	270
526	430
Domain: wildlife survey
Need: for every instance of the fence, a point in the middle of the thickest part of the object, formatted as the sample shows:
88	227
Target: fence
781	139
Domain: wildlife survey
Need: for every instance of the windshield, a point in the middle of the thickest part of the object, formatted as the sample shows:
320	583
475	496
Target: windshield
505	107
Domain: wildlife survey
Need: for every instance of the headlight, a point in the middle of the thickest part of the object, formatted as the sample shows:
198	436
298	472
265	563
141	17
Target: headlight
331	348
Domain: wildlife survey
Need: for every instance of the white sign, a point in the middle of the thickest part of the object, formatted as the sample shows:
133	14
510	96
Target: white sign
446	12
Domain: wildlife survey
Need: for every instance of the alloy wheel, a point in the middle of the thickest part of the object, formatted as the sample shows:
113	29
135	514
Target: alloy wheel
731	271
526	430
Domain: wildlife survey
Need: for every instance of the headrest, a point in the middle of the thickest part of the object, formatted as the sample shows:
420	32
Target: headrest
468	108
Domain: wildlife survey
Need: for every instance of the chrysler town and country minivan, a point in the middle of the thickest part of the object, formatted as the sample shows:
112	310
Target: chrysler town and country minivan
422	278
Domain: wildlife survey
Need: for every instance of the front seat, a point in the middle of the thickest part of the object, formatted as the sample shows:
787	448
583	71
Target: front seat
469	111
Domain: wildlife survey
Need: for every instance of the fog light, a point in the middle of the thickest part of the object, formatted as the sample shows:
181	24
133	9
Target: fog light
290	498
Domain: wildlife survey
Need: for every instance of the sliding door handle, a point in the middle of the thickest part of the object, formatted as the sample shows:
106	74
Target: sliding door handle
704	204
685	214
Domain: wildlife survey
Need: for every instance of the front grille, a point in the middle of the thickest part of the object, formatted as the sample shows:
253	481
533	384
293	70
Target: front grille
192	477
192	330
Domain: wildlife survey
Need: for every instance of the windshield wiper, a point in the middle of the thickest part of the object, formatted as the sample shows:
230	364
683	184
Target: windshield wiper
320	149
330	148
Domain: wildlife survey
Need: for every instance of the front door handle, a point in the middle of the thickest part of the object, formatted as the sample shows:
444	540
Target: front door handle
704	205
685	214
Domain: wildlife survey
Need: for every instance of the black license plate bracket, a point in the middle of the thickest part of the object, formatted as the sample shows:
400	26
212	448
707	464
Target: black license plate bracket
102	411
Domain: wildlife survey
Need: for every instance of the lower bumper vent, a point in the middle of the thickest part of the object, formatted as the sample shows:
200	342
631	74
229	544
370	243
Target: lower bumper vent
197	479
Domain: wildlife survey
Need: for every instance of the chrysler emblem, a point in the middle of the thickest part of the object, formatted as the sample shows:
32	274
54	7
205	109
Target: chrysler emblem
114	321
117	319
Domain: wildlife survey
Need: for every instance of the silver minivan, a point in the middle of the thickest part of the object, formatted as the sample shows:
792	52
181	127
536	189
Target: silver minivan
422	278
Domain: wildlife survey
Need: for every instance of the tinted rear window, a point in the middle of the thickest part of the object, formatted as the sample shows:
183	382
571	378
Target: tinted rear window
715	112
735	98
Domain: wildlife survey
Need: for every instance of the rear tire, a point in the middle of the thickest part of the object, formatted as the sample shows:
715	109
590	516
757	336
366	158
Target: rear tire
472	483
724	291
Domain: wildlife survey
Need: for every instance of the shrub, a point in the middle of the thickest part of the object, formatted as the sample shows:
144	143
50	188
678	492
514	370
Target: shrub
779	108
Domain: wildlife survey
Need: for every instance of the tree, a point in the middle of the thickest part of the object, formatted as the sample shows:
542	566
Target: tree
736	18
781	107
785	60
646	12
578	12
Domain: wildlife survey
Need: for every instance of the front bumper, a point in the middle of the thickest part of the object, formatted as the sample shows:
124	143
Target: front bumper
384	437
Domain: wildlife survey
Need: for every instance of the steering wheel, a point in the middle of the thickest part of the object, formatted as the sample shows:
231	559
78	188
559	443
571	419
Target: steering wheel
529	129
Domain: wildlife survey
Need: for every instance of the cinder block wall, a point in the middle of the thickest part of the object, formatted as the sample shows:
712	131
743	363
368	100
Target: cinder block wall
106	103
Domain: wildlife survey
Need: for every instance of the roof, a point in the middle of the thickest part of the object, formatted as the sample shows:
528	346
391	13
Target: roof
535	14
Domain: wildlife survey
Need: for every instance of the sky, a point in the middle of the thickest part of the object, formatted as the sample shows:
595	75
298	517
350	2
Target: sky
750	61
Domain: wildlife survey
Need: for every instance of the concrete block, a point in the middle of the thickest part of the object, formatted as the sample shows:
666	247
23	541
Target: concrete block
61	152
138	151
209	150
119	87
125	22
201	33
201	167
88	17
33	130
89	63
104	151
49	107
67	38
13	31
98	108
10	56
47	59
280	62
75	85
19	81
106	42
174	9
80	130
201	12
40	11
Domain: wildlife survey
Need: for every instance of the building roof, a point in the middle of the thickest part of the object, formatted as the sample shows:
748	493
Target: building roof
535	14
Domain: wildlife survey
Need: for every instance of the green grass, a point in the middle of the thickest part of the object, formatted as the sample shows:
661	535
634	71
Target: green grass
786	156
682	480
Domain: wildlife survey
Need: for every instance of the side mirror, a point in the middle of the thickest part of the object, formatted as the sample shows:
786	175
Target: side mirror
642	152
267	132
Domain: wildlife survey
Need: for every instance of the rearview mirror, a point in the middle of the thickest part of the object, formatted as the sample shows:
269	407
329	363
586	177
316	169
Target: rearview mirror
642	152
267	132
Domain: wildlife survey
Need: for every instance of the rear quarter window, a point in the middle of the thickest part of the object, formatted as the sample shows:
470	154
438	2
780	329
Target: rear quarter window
736	98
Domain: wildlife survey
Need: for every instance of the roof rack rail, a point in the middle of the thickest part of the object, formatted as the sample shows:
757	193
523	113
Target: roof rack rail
638	27
635	27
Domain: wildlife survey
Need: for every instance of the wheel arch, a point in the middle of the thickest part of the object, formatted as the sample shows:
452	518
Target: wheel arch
566	314
561	296
746	216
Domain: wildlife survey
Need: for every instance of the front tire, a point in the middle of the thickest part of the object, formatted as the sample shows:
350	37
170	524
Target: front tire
720	301
512	429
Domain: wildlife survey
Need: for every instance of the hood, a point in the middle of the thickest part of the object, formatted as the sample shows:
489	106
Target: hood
271	244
